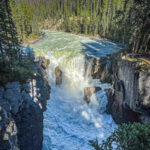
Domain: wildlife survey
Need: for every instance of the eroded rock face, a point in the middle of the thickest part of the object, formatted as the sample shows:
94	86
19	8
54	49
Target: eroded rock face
89	91
102	69
42	61
8	131
24	105
58	74
129	100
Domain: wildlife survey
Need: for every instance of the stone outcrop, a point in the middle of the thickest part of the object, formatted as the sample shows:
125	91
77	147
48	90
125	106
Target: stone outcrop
102	69
58	74
8	131
89	91
129	98
22	106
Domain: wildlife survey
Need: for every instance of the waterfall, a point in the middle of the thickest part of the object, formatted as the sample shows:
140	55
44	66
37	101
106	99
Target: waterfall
69	122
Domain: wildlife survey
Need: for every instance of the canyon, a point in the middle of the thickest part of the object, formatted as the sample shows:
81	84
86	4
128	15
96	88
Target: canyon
90	87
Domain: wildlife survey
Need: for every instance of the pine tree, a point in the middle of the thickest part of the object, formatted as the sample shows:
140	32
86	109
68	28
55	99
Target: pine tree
9	44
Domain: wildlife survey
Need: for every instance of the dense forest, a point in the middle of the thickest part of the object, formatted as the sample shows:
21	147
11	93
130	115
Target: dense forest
126	21
12	65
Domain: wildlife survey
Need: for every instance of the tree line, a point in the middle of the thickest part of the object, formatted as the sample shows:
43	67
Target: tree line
127	21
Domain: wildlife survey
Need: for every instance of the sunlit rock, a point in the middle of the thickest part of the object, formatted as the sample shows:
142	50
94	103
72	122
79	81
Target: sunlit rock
129	101
58	74
8	131
89	91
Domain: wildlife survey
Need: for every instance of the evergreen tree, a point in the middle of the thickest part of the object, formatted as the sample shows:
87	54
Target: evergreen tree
9	45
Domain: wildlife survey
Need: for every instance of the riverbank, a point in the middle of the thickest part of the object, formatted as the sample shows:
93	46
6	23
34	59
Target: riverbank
32	39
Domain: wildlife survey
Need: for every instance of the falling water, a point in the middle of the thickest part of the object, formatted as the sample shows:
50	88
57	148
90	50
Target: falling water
69	122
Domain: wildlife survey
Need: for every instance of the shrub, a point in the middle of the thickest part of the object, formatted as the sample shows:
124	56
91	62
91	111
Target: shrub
19	71
134	136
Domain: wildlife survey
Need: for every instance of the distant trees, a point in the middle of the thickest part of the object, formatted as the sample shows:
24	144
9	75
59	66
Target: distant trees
25	22
126	21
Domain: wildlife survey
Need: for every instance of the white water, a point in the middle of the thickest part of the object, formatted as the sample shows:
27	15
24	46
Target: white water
69	122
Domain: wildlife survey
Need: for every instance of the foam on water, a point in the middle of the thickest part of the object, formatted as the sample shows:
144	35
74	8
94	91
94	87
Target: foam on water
69	122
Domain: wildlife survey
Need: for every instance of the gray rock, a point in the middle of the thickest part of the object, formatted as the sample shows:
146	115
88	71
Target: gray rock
102	69
58	74
26	103
131	96
13	96
6	105
89	91
42	61
13	85
8	132
1	92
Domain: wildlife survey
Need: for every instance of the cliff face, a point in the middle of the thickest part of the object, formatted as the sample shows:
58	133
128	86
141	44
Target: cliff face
129	97
21	110
130	100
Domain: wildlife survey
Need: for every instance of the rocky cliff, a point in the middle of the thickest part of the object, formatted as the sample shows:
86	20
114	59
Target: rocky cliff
21	110
129	97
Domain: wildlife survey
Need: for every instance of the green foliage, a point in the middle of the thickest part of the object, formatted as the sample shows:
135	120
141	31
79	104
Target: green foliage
125	21
25	22
9	44
134	136
12	66
20	71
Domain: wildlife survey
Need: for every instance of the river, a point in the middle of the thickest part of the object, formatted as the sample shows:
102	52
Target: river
69	122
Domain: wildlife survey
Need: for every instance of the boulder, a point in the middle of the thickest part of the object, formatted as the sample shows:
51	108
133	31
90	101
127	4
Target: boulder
58	74
89	91
42	61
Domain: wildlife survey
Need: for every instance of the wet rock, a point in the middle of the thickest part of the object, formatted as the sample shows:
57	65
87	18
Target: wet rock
102	69
58	74
89	91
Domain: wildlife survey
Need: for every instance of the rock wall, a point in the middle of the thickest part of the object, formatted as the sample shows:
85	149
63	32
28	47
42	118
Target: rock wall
21	110
129	97
102	69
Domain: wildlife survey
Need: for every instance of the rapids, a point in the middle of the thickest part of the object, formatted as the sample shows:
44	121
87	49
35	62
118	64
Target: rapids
69	122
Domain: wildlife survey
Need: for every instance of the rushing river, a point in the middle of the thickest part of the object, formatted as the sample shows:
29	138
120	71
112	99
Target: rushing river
69	122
